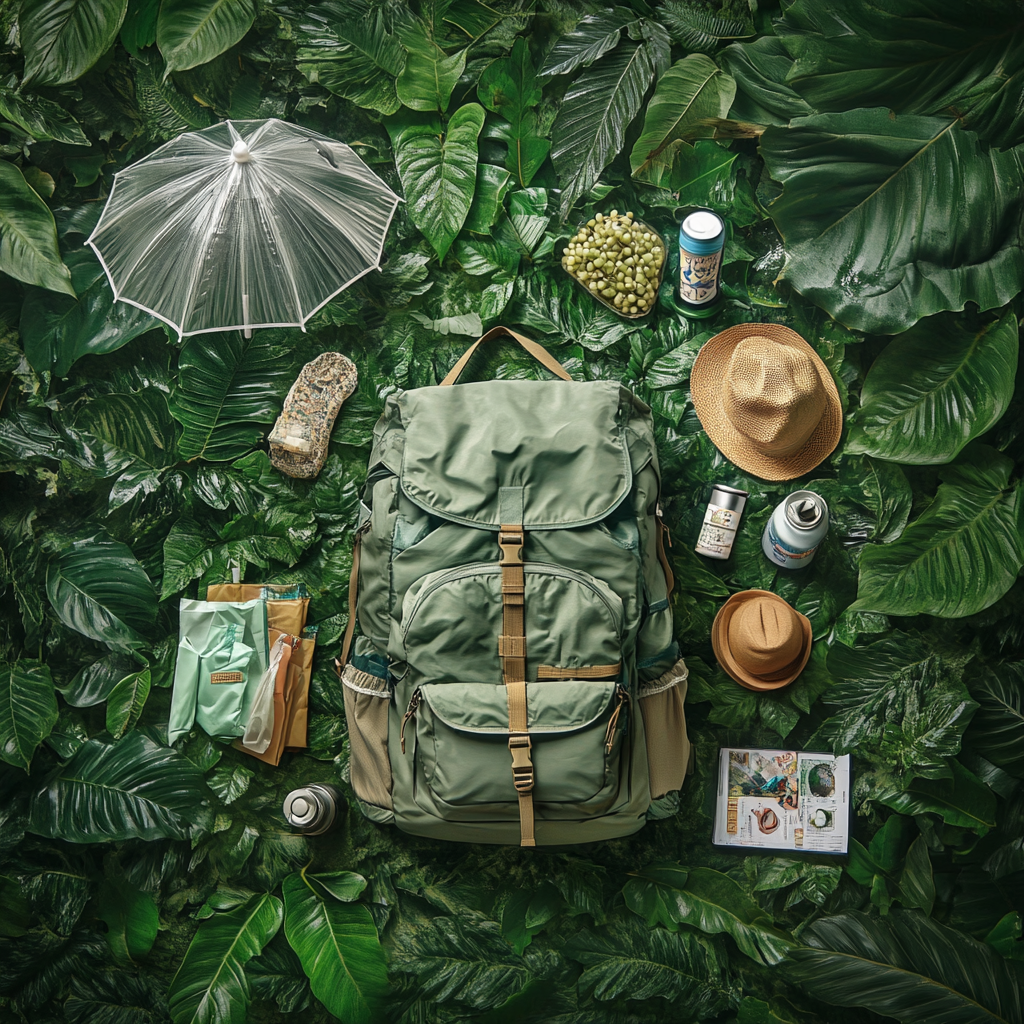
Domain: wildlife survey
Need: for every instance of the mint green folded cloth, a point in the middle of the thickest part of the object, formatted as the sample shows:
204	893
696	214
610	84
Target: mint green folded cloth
222	655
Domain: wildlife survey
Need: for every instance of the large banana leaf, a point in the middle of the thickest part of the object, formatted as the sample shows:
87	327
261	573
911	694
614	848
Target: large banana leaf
210	986
636	962
962	554
962	800
598	108
592	38
708	901
439	173
338	945
997	731
760	70
133	789
890	219
192	32
935	388
62	39
28	235
99	588
914	57
691	91
28	710
227	386
909	967
351	52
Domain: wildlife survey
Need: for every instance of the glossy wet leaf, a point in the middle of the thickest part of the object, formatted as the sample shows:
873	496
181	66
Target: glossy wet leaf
596	111
62	39
691	91
936	388
210	986
339	949
132	789
40	117
962	800
914	58
909	967
28	710
131	917
126	702
593	36
192	32
97	587
961	554
848	180
28	235
666	894
997	731
762	94
352	53
228	385
438	172
429	75
92	684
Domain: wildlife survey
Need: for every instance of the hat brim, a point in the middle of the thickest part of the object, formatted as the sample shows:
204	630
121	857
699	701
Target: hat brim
732	668
707	391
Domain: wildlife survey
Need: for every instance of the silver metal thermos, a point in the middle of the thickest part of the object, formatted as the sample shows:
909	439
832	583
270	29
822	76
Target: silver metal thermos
313	809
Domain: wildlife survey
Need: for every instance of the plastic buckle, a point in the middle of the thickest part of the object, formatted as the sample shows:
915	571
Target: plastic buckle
522	778
511	544
522	767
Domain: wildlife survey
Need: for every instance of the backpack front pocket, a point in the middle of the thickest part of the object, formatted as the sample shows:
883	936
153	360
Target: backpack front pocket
461	745
451	621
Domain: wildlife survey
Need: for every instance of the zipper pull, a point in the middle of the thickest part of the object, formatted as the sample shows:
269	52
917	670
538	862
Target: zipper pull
609	735
410	712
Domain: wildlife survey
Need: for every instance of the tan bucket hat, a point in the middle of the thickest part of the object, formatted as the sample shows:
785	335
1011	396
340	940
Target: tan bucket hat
766	400
761	641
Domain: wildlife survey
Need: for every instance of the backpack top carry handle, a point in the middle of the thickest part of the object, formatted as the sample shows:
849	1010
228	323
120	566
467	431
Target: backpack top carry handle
541	354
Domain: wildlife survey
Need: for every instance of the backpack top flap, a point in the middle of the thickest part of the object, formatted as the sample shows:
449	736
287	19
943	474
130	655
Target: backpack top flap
564	442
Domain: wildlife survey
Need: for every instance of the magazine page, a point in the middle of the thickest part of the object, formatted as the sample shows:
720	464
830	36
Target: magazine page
783	800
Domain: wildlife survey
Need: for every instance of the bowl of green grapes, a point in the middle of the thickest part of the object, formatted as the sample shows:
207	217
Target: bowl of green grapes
619	260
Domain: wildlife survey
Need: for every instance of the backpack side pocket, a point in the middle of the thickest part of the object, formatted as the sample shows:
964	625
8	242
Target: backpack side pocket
367	698
668	747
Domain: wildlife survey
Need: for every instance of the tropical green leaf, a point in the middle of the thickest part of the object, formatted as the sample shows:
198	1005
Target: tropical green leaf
40	117
193	32
62	39
138	30
691	91
429	75
28	711
492	183
126	701
98	588
898	701
708	901
438	172
934	389
508	87
28	235
637	962
92	684
909	967
339	949
527	912
962	554
227	385
133	789
997	731
15	911
870	500
917	886
697	29
57	332
598	108
963	800
210	986
131	917
350	51
760	70
912	58
853	246
592	38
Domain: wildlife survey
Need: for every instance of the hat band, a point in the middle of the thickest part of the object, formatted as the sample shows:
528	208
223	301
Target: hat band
772	677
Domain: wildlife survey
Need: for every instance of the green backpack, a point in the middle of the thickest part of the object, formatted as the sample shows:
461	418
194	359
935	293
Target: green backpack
516	678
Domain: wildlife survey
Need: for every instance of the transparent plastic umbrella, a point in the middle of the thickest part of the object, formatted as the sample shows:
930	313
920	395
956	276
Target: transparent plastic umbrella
245	224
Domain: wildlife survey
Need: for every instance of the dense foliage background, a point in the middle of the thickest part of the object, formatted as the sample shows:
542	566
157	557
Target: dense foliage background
869	164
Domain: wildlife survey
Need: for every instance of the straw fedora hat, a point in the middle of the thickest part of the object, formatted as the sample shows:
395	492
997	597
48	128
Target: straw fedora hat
760	640
766	400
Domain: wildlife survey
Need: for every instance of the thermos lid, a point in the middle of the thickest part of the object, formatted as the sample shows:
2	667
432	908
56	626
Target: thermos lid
728	497
804	510
703	225
301	807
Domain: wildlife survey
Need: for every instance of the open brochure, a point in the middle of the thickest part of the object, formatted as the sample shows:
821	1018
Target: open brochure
783	800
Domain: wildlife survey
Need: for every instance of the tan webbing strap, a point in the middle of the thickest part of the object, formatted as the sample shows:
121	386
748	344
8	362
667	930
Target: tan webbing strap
512	651
353	591
539	352
584	672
